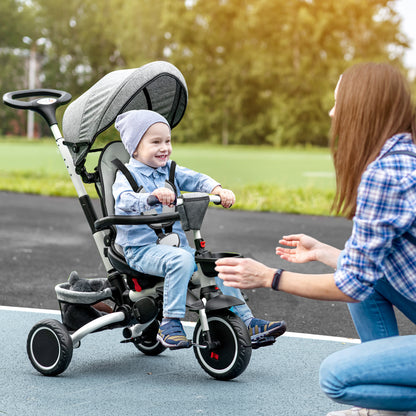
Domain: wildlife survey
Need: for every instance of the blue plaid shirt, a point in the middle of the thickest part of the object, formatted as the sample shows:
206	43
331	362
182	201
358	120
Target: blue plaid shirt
386	209
128	202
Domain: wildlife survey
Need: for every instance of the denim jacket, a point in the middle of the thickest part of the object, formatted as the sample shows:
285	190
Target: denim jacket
128	202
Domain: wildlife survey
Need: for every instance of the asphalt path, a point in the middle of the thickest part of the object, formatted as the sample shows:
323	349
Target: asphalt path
106	377
44	238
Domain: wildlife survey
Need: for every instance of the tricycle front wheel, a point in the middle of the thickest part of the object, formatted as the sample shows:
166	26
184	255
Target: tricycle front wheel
231	355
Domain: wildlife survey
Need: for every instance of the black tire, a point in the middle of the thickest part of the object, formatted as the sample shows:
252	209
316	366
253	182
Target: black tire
49	347
233	354
147	343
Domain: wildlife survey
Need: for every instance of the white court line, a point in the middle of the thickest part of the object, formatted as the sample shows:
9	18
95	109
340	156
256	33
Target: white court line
192	324
321	337
33	310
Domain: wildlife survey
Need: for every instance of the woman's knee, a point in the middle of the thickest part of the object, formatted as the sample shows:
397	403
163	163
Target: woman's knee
330	379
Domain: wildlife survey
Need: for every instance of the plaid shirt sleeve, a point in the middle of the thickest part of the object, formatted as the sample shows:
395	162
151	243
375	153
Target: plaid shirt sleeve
383	213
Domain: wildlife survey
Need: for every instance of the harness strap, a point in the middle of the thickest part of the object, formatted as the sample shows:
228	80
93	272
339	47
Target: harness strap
172	171
121	166
136	188
171	181
409	237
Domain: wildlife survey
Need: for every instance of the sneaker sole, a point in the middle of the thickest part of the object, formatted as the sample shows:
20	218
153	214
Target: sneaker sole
275	332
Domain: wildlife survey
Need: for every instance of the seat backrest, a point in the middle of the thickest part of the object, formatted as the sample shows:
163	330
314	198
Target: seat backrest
107	171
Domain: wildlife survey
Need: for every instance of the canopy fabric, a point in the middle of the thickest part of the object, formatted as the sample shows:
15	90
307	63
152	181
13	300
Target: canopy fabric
158	86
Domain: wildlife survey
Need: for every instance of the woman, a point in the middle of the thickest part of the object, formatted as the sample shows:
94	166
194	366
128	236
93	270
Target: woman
373	117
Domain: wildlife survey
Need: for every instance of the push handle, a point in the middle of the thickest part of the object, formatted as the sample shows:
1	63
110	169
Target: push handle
45	103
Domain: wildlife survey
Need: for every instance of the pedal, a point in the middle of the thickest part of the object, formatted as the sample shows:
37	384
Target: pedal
263	342
203	346
180	348
126	341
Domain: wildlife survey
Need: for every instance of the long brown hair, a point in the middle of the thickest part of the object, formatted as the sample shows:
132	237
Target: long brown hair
373	103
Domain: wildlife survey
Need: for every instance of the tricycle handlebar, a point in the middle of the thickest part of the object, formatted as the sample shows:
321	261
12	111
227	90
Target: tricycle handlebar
45	103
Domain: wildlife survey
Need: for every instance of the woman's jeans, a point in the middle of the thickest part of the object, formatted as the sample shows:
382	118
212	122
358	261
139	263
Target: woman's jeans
176	265
379	374
375	318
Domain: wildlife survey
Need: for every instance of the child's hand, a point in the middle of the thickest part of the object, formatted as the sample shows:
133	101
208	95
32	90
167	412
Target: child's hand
227	196
165	196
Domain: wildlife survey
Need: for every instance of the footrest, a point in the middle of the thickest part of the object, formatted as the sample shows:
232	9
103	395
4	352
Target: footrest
263	342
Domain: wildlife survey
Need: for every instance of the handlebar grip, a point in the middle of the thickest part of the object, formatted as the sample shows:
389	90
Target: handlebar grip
45	103
152	200
215	199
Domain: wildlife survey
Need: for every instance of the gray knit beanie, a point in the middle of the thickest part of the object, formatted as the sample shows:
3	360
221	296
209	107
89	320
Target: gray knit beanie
133	124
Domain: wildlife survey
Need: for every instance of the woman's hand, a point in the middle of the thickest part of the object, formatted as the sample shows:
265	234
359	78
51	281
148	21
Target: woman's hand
244	273
165	196
227	196
307	249
250	274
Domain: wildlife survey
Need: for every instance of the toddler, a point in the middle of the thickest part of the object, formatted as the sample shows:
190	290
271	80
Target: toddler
146	136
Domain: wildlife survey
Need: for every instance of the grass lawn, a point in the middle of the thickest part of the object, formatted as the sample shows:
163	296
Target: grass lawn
263	178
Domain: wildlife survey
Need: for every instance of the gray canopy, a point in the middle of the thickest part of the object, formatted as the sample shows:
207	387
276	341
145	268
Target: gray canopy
158	86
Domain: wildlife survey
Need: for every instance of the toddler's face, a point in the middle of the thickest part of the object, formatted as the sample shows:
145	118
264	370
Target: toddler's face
155	146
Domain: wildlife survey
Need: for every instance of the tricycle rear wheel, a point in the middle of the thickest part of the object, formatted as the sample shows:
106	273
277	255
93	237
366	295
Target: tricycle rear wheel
148	344
49	347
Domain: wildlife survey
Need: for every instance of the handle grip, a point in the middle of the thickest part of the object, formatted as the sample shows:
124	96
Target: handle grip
152	200
45	103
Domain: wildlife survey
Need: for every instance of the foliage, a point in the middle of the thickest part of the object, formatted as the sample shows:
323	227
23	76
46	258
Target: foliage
263	72
259	71
16	22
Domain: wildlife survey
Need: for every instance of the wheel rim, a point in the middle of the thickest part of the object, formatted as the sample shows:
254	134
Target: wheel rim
221	359
45	348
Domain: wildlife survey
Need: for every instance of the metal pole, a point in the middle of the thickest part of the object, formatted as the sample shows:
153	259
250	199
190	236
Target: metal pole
32	85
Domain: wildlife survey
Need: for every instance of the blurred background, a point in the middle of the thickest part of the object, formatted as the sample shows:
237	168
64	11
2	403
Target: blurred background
259	72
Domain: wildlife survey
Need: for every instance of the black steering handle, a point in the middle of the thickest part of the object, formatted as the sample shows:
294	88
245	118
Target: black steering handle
45	103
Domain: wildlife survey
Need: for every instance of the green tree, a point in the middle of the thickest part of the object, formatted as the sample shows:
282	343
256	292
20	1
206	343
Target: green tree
16	23
263	72
89	38
258	71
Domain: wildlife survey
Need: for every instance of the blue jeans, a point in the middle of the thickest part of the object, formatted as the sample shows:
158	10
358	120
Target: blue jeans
176	265
379	374
374	317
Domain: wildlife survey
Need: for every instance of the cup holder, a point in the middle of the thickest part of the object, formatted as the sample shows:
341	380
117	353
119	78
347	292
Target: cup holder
207	261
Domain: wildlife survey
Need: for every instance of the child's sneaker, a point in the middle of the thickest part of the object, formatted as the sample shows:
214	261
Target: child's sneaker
260	329
359	411
171	335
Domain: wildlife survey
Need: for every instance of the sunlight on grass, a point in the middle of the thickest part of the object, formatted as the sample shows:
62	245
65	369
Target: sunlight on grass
263	179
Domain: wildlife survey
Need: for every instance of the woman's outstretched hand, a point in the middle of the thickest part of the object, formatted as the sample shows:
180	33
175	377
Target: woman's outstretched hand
305	248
